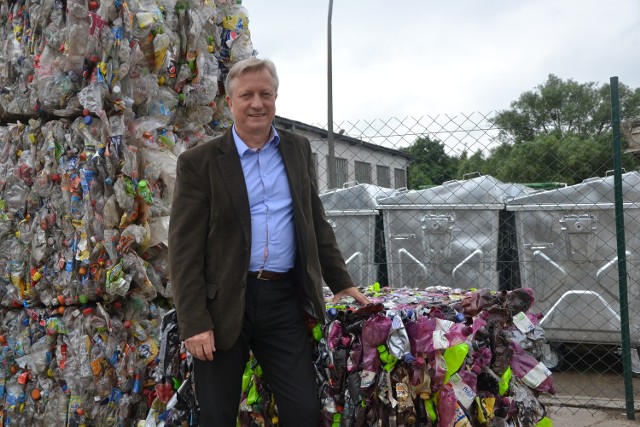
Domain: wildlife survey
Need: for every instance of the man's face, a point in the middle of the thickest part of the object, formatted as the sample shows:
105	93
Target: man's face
253	103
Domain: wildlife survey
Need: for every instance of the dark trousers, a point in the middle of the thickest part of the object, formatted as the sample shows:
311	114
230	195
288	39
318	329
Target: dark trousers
274	330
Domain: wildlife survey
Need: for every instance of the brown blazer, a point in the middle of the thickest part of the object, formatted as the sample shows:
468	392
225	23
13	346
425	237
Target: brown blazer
210	237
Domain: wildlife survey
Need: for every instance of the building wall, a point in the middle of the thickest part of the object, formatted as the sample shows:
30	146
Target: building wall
352	151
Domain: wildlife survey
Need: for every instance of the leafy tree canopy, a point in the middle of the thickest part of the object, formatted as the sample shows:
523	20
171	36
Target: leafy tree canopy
563	107
558	132
430	164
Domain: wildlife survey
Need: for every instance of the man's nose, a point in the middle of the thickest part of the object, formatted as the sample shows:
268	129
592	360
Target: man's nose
256	102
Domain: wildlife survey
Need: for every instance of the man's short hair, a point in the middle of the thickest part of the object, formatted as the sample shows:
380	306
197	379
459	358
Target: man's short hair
250	64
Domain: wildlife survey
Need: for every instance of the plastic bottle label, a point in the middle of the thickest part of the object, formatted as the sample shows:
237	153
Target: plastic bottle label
536	375
523	323
403	393
439	340
75	402
460	419
15	396
464	393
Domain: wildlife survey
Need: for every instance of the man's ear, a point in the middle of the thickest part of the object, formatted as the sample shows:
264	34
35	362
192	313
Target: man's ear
228	99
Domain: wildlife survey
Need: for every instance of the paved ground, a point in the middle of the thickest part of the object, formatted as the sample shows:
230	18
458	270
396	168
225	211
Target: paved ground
590	392
582	417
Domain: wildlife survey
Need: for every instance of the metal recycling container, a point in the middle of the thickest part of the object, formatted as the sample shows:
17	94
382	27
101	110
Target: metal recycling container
568	256
354	213
446	235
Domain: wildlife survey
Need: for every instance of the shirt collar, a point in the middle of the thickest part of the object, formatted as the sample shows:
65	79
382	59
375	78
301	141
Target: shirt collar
242	147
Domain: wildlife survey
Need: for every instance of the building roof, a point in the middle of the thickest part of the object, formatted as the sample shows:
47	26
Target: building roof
293	125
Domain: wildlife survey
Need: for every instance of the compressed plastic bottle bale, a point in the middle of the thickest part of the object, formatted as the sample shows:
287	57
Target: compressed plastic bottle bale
235	37
80	232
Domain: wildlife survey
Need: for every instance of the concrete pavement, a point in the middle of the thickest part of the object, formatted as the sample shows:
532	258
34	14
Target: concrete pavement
563	416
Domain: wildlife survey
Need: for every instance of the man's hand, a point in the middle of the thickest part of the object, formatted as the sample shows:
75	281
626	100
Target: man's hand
351	292
201	346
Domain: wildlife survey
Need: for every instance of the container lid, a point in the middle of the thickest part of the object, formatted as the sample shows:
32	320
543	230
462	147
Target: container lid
483	191
592	193
359	196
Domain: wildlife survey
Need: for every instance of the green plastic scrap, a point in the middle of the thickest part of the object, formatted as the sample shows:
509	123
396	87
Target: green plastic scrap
253	396
144	192
336	420
317	332
544	422
246	377
454	356
504	381
430	407
375	288
387	358
176	383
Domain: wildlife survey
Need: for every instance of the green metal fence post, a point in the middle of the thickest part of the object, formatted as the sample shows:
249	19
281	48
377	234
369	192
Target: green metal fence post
622	260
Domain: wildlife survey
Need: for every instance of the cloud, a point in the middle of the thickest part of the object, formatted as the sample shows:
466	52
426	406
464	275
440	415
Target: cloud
417	58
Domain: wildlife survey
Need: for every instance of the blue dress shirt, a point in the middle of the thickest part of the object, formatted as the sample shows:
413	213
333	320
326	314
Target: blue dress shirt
273	241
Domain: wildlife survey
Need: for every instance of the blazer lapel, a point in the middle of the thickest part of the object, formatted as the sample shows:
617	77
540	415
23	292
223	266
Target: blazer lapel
231	169
292	163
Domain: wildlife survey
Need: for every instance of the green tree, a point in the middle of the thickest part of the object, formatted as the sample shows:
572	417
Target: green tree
430	164
564	107
469	164
558	132
561	131
548	158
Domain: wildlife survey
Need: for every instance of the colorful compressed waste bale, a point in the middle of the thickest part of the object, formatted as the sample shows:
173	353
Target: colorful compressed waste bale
91	364
436	356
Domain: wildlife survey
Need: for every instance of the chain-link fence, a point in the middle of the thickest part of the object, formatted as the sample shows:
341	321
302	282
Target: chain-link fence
553	230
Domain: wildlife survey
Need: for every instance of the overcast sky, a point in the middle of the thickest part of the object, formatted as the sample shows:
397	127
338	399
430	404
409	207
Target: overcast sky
417	58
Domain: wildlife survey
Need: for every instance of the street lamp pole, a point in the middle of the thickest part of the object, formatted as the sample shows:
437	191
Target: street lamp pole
331	169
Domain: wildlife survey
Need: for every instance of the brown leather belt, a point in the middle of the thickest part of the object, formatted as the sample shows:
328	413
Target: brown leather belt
269	275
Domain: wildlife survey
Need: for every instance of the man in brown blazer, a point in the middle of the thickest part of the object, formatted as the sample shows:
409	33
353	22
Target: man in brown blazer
249	247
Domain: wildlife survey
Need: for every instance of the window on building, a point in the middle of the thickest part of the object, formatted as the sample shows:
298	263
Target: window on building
342	171
363	172
383	174
400	178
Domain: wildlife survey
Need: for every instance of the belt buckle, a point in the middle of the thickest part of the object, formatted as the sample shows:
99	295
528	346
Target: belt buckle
259	276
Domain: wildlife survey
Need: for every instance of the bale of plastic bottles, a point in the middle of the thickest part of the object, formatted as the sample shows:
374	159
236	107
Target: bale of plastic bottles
114	58
97	100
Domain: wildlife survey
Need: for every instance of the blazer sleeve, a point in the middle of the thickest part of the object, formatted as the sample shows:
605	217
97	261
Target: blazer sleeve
187	244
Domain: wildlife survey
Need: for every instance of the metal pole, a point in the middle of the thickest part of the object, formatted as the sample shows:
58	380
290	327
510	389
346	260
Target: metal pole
622	260
331	166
